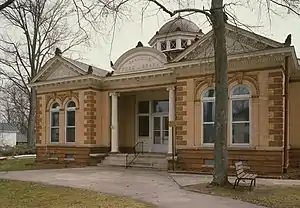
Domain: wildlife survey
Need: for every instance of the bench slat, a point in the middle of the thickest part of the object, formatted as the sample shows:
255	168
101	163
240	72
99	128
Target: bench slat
241	175
239	171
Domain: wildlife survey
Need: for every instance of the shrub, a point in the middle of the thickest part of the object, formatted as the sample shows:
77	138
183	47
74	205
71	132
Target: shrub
17	150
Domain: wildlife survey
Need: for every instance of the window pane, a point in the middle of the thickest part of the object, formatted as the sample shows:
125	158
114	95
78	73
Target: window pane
70	134
209	93
163	46
143	125
156	123
55	119
240	133
143	107
161	106
55	105
71	104
208	133
157	137
166	123
208	111
173	44
70	118
54	134
183	43
241	90
240	110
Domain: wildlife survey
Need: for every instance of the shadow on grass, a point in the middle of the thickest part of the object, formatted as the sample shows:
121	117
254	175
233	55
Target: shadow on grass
269	196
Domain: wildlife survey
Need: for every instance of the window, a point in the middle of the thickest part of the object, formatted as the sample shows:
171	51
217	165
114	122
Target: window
70	122
208	112
183	43
143	118
54	117
172	44
163	45
160	106
240	115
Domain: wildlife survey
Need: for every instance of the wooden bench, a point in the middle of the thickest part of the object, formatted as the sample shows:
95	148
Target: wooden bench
242	175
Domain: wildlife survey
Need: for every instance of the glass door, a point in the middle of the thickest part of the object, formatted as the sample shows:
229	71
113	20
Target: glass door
160	133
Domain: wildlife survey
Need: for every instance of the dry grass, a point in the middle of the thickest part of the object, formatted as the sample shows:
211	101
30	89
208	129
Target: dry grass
269	196
25	164
19	194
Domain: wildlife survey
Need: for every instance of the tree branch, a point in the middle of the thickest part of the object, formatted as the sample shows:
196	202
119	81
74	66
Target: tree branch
6	4
285	6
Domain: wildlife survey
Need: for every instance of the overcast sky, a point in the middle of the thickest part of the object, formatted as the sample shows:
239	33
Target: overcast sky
132	30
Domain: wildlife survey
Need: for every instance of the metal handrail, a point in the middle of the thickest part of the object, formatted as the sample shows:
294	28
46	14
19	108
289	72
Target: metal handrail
135	154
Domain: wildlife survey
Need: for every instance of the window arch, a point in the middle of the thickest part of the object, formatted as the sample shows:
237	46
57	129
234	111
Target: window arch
54	118
208	112
240	115
70	121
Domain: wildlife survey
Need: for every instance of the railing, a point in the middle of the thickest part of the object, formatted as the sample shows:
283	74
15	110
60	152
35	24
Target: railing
138	148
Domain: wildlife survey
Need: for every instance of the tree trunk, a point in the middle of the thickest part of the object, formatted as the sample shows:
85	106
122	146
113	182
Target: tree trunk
31	120
220	177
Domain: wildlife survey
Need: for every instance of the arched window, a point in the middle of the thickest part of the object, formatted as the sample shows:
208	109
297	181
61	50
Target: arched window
70	122
208	112
54	117
240	115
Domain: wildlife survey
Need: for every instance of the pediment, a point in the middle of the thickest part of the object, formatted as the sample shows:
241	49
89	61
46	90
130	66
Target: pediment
57	68
140	59
237	41
62	72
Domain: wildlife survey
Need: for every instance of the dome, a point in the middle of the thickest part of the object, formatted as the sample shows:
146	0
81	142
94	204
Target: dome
179	24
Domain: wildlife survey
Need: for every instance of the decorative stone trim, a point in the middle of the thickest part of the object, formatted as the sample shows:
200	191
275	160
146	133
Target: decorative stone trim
38	119
275	80
90	117
181	120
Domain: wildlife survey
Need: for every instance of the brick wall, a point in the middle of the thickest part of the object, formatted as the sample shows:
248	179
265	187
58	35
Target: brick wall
276	116
90	117
181	113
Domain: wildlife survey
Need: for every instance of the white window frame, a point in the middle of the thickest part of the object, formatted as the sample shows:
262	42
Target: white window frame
204	100
68	109
240	97
54	110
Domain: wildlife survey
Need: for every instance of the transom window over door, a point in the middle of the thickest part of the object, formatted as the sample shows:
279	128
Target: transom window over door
54	118
208	112
240	115
70	122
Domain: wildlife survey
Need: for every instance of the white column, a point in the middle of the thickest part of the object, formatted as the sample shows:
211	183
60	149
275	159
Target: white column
171	117
114	123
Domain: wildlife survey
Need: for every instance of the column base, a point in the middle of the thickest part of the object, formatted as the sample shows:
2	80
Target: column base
113	153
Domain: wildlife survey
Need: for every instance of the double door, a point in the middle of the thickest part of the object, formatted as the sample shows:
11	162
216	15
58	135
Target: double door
160	124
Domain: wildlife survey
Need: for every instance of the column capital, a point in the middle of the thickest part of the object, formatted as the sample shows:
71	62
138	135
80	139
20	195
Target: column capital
170	88
114	94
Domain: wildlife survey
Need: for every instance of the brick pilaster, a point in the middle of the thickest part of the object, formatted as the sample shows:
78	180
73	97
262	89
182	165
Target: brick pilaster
181	113
276	116
90	117
38	120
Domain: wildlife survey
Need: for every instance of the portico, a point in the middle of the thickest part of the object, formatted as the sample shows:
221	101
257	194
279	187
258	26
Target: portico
143	116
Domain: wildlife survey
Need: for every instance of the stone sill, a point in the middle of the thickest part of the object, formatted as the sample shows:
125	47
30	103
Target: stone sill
53	158
170	158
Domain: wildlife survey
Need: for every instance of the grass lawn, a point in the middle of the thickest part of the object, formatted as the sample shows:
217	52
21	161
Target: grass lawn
269	196
19	194
25	164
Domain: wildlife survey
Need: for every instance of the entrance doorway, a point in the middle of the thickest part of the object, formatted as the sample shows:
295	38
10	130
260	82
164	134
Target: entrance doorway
160	133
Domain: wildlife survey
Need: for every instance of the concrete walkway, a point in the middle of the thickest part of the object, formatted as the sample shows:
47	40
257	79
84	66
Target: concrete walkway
157	188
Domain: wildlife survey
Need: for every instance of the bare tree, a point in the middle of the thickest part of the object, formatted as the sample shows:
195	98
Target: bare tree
32	29
14	106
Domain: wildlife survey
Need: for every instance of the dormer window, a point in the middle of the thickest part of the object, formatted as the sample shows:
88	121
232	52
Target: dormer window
184	43
163	45
173	44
